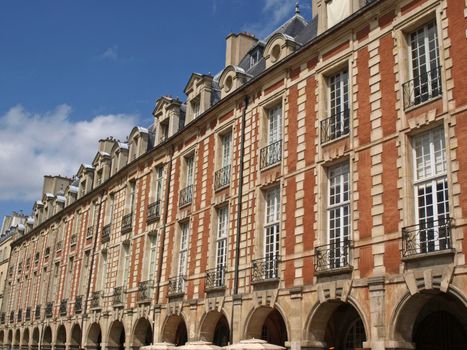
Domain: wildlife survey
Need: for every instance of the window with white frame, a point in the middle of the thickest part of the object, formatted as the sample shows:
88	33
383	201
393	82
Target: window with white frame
337	123
271	232
84	278
425	73
132	196
196	107
183	256
103	271
111	206
222	176
189	163
69	277
126	265
338	212
159	179
226	142
275	124
431	191
152	257
221	244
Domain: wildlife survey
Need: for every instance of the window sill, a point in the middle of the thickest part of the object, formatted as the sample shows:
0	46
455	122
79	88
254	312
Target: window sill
334	271
424	103
267	283
330	142
429	255
271	166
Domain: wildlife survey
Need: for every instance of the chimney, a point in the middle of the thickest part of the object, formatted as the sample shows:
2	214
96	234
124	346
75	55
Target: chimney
237	45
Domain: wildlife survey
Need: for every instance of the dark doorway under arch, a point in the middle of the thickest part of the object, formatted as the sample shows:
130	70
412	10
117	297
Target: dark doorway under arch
221	332
142	333
76	336
274	330
35	339
94	338
61	338
117	335
47	339
175	331
25	341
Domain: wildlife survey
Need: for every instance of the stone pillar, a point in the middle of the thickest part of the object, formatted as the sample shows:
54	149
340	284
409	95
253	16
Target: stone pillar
377	329
237	326
295	320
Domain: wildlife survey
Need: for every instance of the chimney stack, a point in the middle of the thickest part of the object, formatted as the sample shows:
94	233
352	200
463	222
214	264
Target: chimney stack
237	45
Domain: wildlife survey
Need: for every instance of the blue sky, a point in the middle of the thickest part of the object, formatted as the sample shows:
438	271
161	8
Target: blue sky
72	72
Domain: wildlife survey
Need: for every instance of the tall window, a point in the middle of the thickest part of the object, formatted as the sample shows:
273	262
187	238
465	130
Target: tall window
55	277
84	278
189	162
275	124
196	108
221	243
271	232
126	265
152	258
226	141
183	256
159	178
132	196
111	207
431	190
339	214
103	271
164	131
337	123
69	278
424	62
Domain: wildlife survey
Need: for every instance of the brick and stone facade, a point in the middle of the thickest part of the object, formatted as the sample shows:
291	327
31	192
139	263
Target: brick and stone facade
328	242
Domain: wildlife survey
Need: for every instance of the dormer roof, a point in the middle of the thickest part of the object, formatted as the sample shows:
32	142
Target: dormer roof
193	78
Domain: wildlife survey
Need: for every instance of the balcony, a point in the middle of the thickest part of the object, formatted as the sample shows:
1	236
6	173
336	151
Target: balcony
222	178
2	318
333	257
427	237
95	300
271	155
144	292
73	239
49	308
215	278
177	286
265	269
63	307
335	126
20	315
127	223
154	212
27	316
12	317
105	236
58	246
90	232
37	312
78	304
186	196
422	88
117	296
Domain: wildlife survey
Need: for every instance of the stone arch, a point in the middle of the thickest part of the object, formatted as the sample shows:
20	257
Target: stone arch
25	339
17	339
434	308
117	335
35	338
267	323
10	338
47	338
215	328
94	338
142	333
60	339
76	335
175	330
335	323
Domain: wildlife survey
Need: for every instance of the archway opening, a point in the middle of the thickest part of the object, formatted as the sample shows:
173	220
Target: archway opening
76	336
10	338
35	339
215	329
25	342
268	324
17	339
117	335
61	338
175	331
433	320
94	337
47	338
143	333
338	325
2	336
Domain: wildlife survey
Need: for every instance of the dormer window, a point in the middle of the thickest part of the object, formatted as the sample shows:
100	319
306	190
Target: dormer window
254	57
164	131
195	107
82	191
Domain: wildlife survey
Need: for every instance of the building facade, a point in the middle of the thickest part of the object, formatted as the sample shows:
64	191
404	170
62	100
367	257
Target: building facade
312	194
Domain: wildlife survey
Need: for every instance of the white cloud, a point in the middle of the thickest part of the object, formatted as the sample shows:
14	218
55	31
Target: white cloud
111	53
33	145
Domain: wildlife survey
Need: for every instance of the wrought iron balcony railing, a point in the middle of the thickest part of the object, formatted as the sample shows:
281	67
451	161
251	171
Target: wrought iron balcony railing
63	307
2	318
117	296
58	246
215	278
422	88
335	255
127	223
426	237
105	236
271	155
12	317
20	315
265	269
154	211
27	316
78	304
177	285
144	291
90	232
37	312
49	309
335	126
95	299
186	196
222	178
